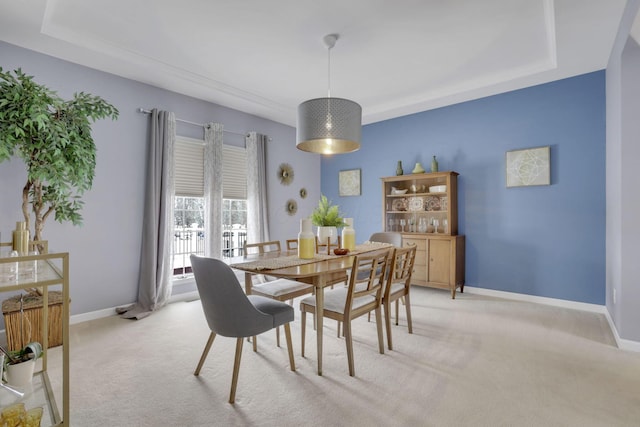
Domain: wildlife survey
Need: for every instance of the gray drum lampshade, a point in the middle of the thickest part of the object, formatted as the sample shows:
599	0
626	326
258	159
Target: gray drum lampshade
329	126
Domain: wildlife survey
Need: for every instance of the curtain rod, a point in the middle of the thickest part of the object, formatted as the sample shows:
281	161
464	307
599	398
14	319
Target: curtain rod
142	110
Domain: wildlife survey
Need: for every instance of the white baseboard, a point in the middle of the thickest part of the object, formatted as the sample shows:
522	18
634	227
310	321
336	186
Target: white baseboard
106	312
622	343
540	300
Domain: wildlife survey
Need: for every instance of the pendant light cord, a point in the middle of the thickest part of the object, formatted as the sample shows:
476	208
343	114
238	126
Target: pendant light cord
329	71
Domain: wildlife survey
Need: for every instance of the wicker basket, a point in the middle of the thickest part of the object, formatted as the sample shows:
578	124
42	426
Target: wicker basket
32	320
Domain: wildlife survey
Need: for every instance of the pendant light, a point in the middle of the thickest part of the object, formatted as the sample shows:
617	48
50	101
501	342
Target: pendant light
329	125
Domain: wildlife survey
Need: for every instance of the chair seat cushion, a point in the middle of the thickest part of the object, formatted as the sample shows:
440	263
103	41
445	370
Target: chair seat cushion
279	287
335	299
397	288
281	312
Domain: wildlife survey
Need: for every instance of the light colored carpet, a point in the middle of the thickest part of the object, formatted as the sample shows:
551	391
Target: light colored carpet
473	361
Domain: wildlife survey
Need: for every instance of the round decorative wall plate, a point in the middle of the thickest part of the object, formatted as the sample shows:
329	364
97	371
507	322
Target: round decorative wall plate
285	174
291	207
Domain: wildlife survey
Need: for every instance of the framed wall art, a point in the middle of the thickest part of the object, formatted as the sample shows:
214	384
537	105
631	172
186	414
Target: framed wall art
527	167
349	182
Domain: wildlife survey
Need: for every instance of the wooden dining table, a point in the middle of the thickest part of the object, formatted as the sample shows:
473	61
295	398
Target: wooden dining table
318	272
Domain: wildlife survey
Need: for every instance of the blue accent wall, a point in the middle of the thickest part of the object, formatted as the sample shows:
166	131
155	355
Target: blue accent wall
545	241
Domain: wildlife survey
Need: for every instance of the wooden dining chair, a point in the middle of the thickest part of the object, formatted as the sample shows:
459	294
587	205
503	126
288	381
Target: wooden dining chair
292	244
231	313
398	286
262	247
346	304
387	237
327	247
277	289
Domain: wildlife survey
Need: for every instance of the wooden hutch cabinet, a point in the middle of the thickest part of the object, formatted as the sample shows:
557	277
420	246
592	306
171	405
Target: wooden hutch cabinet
424	208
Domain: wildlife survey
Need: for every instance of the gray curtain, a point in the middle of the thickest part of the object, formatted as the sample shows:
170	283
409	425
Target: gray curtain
257	209
213	138
154	286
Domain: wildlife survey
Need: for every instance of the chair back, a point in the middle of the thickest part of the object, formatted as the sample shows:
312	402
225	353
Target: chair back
387	237
226	307
401	262
367	278
327	245
292	244
262	247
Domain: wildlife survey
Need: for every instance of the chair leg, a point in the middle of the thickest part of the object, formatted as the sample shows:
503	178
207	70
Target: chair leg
379	327
207	347
338	328
397	311
287	334
408	308
255	343
303	324
278	336
387	322
348	339
236	369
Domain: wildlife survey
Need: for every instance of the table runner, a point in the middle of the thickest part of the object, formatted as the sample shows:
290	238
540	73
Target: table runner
293	260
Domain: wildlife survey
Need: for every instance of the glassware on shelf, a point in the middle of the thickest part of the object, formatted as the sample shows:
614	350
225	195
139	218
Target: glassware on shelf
436	224
445	224
391	224
403	223
422	225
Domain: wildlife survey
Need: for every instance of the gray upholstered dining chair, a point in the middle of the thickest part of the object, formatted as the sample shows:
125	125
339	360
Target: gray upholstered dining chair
274	288
387	237
346	304
232	313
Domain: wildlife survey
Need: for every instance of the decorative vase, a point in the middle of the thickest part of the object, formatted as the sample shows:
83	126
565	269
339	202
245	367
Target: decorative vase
348	235
306	240
325	232
399	170
21	238
434	164
418	168
20	374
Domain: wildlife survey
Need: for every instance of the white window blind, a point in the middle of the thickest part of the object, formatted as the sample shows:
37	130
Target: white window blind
234	171
189	169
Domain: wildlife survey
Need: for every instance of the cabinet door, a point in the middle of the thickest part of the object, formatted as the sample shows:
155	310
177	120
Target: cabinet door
419	275
439	261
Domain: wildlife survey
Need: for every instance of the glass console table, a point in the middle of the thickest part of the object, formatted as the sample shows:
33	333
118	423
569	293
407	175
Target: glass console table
42	272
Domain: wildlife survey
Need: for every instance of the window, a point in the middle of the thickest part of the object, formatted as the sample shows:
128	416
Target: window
189	233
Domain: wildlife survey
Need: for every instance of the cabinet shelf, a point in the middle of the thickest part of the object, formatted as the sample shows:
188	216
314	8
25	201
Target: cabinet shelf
40	271
440	255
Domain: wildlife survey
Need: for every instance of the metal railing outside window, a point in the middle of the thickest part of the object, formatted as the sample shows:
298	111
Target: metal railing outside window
189	233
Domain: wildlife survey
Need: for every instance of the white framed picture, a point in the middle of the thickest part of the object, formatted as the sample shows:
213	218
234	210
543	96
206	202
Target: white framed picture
349	182
530	166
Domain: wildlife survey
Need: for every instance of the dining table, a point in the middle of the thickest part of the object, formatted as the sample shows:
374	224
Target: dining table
319	272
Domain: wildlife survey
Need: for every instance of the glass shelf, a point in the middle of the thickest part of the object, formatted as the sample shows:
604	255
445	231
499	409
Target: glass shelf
38	394
42	272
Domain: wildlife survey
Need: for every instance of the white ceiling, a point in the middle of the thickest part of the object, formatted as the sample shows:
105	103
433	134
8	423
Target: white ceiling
265	57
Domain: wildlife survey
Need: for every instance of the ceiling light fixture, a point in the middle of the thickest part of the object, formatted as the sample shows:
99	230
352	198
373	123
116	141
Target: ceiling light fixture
329	125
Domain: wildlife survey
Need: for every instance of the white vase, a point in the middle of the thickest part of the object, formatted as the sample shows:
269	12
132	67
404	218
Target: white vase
20	374
324	232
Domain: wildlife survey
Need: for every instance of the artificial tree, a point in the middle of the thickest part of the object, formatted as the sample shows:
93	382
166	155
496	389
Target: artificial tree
53	137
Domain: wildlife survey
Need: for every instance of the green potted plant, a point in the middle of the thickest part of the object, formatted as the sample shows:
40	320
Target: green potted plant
19	364
53	138
327	217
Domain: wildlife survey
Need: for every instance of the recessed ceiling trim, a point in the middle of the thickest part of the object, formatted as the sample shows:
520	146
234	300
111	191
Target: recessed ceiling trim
89	42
